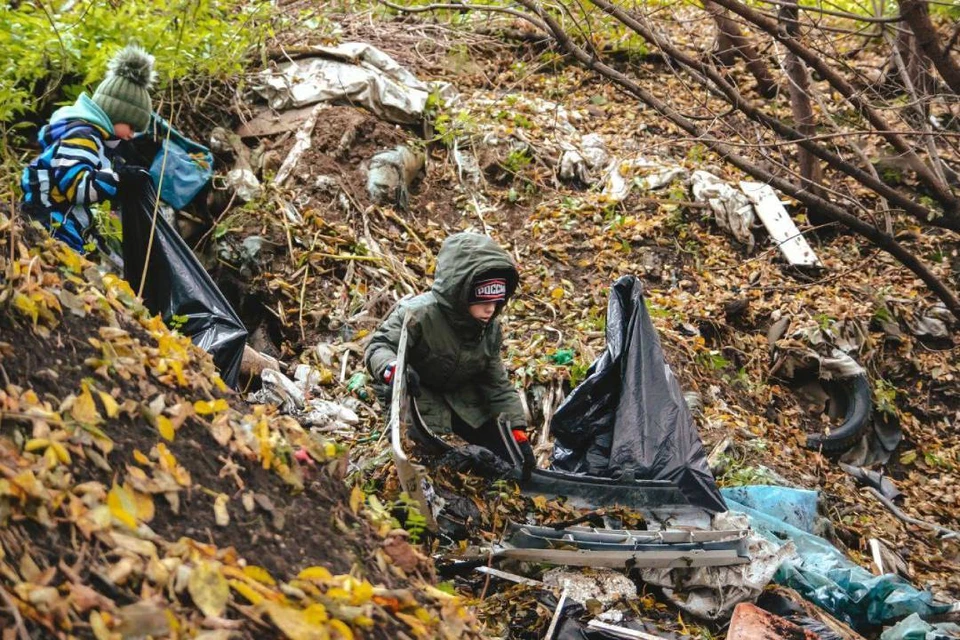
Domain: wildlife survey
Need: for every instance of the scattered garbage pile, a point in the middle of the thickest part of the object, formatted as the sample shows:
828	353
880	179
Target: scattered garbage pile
712	553
628	527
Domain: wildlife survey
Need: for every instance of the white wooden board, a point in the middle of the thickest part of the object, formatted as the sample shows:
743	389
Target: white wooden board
781	227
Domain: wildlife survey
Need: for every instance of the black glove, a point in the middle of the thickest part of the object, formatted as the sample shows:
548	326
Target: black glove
473	458
529	459
131	176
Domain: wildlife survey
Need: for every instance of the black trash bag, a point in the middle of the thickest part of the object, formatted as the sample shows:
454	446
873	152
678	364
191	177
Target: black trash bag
629	415
571	627
472	458
177	285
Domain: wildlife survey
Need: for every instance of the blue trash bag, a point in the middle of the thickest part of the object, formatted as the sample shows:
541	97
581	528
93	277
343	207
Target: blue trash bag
913	628
184	165
822	573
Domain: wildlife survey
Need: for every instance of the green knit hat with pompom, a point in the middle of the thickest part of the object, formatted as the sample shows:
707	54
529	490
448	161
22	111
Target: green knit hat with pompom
125	93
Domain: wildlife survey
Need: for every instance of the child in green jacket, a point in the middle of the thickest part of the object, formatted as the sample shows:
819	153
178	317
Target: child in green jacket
453	346
75	167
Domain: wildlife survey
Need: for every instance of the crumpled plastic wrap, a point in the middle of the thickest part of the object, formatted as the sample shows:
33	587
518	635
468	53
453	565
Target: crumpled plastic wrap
356	72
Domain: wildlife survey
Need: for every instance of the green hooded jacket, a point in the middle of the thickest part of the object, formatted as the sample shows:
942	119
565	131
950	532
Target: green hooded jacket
456	356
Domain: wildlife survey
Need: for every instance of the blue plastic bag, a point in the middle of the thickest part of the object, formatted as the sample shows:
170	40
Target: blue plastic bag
823	574
185	166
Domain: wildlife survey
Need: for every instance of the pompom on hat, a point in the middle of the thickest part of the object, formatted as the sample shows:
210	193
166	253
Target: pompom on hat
124	94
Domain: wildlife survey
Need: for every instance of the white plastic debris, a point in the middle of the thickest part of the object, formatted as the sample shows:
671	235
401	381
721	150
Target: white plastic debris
783	230
623	174
244	183
320	413
731	209
713	592
279	390
325	353
390	175
306	377
604	585
356	72
581	162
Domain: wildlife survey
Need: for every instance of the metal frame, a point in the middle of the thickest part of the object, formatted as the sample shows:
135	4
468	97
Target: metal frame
413	477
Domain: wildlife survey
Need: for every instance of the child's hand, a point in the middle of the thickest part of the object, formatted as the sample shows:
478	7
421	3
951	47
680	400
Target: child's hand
413	379
529	459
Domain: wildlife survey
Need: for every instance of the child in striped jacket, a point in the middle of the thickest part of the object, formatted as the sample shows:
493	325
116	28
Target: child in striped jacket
74	169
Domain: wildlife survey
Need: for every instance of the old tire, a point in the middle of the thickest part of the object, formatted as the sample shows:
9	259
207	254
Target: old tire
859	402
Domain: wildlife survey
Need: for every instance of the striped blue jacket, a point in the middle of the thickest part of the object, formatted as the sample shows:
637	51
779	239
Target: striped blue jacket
72	172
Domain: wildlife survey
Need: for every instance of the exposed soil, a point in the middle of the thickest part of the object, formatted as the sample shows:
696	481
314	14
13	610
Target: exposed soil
315	526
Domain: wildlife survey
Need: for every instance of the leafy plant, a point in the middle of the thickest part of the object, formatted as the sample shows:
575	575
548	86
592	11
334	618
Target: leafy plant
413	521
516	160
713	360
53	52
885	397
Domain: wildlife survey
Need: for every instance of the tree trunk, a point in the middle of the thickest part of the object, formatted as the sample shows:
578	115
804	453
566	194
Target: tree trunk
724	49
916	14
732	40
938	189
799	84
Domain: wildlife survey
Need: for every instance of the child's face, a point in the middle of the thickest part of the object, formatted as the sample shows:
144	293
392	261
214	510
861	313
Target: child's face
483	311
123	131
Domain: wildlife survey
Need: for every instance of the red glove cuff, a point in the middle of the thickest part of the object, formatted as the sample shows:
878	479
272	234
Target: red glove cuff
388	372
520	436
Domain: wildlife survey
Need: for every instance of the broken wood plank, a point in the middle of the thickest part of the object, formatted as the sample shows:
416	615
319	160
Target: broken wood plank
556	615
269	122
624	559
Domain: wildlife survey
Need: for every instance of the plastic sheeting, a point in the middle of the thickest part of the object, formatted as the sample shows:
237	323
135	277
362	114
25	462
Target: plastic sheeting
629	415
913	628
821	573
355	72
181	168
177	286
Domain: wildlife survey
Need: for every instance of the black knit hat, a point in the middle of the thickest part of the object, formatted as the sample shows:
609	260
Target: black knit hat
488	287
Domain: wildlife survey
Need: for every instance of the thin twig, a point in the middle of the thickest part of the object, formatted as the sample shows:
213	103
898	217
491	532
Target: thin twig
466	7
895	510
15	612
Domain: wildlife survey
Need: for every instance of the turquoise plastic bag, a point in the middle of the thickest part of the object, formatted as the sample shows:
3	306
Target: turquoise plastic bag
823	574
184	165
913	628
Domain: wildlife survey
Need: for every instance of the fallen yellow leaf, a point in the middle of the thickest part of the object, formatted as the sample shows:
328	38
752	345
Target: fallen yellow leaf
259	574
122	512
84	409
299	624
356	499
165	427
109	404
209	589
319	574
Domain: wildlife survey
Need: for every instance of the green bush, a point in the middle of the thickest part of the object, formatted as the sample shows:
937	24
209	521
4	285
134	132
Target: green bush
52	52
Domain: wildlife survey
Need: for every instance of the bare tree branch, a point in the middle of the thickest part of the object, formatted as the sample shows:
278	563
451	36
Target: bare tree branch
941	192
872	233
917	15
